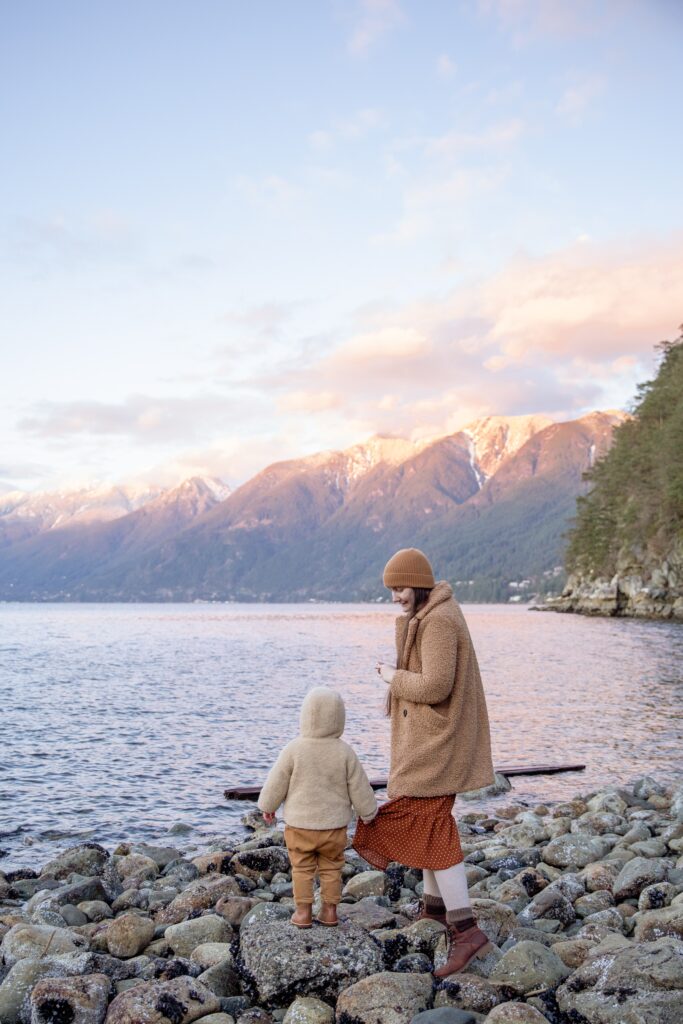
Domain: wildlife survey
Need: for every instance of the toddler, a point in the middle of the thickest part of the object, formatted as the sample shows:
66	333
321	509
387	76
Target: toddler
320	779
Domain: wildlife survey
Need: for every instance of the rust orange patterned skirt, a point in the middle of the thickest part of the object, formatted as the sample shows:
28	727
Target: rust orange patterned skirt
419	832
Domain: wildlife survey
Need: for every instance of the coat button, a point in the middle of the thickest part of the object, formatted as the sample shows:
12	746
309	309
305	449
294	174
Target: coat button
405	712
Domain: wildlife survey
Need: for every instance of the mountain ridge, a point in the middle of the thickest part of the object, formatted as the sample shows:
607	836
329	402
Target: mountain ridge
319	527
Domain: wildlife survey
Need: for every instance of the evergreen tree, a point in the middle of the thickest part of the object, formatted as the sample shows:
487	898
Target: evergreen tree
636	494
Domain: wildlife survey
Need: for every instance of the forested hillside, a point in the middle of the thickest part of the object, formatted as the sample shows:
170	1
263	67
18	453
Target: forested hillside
625	553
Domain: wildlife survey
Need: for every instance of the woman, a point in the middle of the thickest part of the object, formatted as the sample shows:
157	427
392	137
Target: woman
440	746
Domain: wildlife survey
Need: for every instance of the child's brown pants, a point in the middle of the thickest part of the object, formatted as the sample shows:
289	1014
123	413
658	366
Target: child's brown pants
312	850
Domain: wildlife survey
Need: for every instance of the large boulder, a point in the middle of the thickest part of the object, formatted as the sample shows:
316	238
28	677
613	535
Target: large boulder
264	862
656	924
17	985
468	991
309	1010
201	894
73	1000
85	859
496	920
35	941
184	937
179	1001
629	985
516	1013
637	874
366	883
574	850
286	961
529	966
386	998
128	934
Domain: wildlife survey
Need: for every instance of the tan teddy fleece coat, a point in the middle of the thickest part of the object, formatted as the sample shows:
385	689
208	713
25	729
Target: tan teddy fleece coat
440	741
318	775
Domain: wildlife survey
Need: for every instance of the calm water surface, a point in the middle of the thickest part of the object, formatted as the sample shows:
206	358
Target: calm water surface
127	721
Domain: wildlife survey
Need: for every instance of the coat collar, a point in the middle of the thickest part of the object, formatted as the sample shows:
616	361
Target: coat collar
408	627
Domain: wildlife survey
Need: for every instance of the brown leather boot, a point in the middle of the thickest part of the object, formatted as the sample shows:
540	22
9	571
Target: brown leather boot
432	909
463	946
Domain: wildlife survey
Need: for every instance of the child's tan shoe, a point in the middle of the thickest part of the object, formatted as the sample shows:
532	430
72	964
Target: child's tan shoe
302	917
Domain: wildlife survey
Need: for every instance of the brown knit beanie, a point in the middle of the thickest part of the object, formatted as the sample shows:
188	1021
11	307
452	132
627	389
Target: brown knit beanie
408	568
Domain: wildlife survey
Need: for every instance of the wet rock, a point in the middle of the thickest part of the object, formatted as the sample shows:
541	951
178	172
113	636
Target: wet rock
201	894
33	942
260	863
17	985
654	897
128	935
184	937
96	910
647	787
637	874
366	883
574	850
598	823
217	862
309	1010
500	784
573	952
178	1001
367	914
529	966
285	961
413	963
467	991
235	908
641	982
512	893
208	954
495	919
385	997
71	1000
161	855
550	904
222	979
600	875
446	1015
516	1013
85	859
655	924
592	902
607	800
73	916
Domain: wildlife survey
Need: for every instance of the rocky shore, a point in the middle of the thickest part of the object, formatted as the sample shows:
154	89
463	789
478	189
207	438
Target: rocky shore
645	585
582	900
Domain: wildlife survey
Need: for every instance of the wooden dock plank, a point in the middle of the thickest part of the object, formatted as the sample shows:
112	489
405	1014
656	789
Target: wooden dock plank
253	792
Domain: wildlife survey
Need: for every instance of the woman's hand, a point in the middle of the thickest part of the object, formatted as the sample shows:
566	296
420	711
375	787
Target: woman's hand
268	817
387	672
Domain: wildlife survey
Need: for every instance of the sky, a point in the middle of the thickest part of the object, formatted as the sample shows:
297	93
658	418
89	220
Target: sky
232	233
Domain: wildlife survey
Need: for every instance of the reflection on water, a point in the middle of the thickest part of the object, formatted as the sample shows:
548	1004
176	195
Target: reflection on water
120	721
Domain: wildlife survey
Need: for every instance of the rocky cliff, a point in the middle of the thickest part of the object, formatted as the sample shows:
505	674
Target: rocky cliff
625	555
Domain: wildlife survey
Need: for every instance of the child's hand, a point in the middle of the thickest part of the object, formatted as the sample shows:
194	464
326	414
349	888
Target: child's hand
269	817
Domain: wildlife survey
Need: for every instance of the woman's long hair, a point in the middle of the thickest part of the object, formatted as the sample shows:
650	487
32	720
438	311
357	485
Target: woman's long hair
421	597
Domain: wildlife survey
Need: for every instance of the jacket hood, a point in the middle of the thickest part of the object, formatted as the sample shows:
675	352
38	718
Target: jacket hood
322	714
440	593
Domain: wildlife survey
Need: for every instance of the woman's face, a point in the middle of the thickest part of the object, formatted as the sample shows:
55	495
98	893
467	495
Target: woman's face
405	596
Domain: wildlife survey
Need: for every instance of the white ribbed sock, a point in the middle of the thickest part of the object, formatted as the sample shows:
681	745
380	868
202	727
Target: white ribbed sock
429	882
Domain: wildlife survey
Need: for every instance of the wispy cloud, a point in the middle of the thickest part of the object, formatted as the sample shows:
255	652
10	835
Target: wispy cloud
349	129
578	97
141	417
445	67
375	19
545	335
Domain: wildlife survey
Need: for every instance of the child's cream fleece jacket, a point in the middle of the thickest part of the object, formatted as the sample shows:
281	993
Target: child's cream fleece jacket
318	775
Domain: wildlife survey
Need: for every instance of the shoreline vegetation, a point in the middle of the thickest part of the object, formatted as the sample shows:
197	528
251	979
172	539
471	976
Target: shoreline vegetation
625	553
583	901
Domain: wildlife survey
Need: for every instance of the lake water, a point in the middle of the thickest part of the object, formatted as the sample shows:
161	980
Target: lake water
126	721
